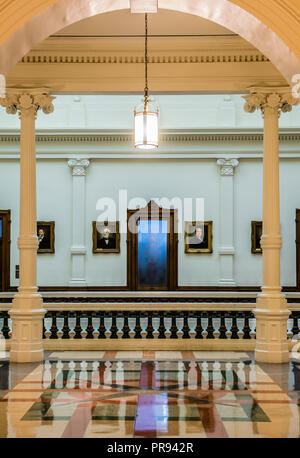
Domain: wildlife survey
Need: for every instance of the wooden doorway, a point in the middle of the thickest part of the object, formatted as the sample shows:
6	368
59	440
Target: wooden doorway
4	250
152	249
298	247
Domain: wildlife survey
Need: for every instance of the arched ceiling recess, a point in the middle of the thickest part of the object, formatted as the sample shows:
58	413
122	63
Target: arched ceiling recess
273	27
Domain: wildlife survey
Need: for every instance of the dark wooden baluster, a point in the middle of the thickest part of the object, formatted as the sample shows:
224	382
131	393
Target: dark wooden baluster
161	328
173	328
149	328
44	329
90	328
210	328
126	328
78	328
53	328
101	328
185	328
295	328
223	328
234	328
66	328
138	328
246	328
253	316
199	328
114	328
5	327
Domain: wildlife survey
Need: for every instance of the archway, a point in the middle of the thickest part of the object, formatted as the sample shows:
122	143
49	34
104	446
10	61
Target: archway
22	24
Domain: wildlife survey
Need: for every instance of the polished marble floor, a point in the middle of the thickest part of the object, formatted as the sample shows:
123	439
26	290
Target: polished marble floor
149	394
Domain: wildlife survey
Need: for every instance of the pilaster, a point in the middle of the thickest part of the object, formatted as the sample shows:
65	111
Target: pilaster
79	169
227	250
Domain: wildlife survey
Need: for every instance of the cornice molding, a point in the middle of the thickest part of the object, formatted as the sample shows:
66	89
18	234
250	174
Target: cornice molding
116	64
129	50
88	58
165	137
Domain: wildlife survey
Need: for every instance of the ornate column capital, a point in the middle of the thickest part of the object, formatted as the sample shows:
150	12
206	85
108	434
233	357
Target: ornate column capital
79	166
279	99
27	99
227	166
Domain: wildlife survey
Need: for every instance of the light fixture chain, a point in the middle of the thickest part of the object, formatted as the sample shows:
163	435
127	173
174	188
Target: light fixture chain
146	55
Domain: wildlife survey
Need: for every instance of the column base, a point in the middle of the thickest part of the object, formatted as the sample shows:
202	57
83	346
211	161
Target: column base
227	282
27	336
271	335
280	356
78	283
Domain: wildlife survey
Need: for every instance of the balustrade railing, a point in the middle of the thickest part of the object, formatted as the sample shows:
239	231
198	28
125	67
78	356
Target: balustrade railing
227	325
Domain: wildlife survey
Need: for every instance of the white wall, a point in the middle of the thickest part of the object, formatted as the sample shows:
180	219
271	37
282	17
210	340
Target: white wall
248	207
181	169
9	200
54	203
153	179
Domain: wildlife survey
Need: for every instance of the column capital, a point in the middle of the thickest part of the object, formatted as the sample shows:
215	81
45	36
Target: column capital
25	99
79	166
227	166
280	99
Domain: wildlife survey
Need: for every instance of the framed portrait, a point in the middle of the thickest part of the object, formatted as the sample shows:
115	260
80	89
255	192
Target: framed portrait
106	237
198	237
256	233
46	235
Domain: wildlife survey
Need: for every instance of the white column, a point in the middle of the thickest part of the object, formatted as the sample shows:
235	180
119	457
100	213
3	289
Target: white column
27	310
78	248
226	249
271	308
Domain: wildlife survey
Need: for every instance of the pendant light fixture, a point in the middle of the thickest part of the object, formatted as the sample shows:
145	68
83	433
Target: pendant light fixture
146	114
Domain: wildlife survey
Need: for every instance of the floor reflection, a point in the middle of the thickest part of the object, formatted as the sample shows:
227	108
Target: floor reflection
149	398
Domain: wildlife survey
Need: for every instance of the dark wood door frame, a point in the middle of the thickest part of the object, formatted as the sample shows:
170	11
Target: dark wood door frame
5	249
152	211
298	248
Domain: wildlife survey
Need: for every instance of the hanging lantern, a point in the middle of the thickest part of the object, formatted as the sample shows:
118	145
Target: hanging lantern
146	114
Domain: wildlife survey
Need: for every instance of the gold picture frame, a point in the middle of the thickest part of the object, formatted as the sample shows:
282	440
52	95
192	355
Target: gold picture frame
102	244
256	233
46	237
198	236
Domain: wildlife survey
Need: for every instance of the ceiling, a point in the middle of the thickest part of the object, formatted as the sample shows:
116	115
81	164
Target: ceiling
163	23
105	54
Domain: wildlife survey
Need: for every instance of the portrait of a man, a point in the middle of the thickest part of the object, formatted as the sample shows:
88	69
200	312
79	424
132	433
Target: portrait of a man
106	237
45	235
256	233
198	237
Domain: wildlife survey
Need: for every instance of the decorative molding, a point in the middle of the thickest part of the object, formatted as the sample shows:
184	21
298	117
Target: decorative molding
227	166
79	167
78	250
227	250
133	59
126	50
278	99
164	137
26	99
116	64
